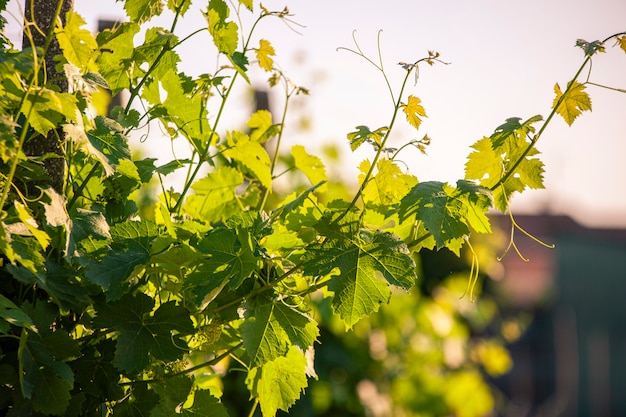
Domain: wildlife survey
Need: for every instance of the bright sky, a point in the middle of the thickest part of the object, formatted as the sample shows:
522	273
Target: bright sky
505	58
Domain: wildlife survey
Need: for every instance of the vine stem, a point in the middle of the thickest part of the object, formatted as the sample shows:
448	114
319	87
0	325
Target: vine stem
193	172
370	171
535	138
188	370
256	292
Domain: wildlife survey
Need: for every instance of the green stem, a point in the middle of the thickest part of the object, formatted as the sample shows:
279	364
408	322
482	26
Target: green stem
266	192
188	370
370	171
256	292
535	138
202	157
78	192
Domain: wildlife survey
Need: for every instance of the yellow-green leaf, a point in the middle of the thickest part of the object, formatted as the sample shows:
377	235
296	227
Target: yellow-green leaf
42	237
413	110
264	55
310	165
621	40
571	103
78	44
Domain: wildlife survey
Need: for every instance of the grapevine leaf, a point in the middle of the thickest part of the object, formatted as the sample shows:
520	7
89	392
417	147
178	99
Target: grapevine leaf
272	327
205	404
572	102
364	134
141	334
31	225
262	127
224	33
47	109
173	394
484	164
179	6
251	155
512	129
264	55
78	44
621	40
140	11
117	48
413	110
12	314
215	195
230	259
358	287
132	249
140	404
108	143
389	184
448	212
310	165
47	379
279	383
247	3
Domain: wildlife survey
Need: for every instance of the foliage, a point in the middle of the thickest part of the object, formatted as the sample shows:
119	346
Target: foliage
112	306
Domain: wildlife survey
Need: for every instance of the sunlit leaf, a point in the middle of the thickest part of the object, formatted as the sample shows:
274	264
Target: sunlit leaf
141	11
143	332
413	111
279	383
271	328
365	269
78	44
264	54
310	165
572	103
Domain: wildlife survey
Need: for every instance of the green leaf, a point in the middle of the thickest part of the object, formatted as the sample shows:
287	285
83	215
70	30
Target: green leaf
448	212
140	11
133	240
508	147
141	334
47	109
108	144
364	134
279	383
513	130
205	404
78	44
251	155
262	127
13	315
572	102
310	165
388	185
225	34
179	6
117	48
358	268
272	327
230	260
47	379
215	195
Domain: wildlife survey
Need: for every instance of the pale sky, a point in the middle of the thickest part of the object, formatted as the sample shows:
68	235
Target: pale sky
505	58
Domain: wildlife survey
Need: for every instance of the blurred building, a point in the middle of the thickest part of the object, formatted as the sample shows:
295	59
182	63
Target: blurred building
572	359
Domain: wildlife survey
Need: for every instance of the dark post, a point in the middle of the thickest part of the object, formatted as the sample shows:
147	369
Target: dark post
41	13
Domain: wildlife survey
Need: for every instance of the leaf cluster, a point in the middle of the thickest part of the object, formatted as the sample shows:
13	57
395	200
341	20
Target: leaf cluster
117	299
